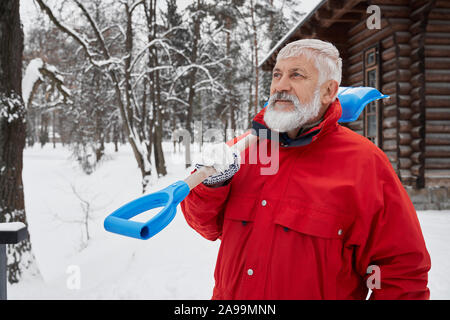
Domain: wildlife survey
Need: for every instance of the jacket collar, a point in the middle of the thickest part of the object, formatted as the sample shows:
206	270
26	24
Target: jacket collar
330	119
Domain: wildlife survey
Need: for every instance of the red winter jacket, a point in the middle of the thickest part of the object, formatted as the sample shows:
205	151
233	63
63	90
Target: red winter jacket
333	213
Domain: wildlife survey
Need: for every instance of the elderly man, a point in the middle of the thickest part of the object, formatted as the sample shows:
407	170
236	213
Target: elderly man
334	220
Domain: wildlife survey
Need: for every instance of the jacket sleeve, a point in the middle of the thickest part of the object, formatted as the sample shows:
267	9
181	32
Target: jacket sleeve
203	210
394	248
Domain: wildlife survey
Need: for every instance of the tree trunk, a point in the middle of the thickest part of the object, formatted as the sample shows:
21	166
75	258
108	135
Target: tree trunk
228	78
192	79
12	133
255	45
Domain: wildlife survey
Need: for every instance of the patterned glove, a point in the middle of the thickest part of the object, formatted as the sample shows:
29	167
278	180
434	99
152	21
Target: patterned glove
223	175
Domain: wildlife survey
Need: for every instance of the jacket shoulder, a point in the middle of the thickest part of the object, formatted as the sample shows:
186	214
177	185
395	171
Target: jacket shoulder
362	147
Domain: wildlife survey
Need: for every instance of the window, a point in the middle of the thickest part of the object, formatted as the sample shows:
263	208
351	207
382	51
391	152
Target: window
372	110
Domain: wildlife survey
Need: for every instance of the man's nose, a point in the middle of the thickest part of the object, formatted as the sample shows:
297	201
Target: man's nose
283	85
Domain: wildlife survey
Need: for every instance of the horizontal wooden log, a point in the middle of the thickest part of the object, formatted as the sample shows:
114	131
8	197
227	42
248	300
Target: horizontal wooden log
417	105
437	101
439	38
437	88
356	77
394	64
439	63
405	151
437	139
417	80
355	58
436	50
437	163
404	113
404	138
355	68
417	169
404	125
417	54
407	178
404	87
416	38
404	101
405	163
417	157
418	119
437	151
356	84
395	11
439	14
437	126
437	75
417	145
437	114
390	133
356	125
416	28
417	132
389	76
401	50
390	122
389	88
442	4
367	37
390	111
389	54
417	93
389	145
438	26
417	67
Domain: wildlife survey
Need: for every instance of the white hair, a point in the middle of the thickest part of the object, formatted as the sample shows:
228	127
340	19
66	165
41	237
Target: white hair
324	54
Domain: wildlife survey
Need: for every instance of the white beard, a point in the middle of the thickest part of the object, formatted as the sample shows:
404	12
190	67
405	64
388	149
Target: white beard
284	121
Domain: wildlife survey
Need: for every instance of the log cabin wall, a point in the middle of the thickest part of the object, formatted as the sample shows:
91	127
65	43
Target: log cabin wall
436	54
408	58
391	44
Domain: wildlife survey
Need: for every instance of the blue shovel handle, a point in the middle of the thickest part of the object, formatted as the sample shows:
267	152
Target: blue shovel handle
119	221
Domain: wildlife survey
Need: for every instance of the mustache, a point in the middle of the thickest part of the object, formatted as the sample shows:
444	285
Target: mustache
283	96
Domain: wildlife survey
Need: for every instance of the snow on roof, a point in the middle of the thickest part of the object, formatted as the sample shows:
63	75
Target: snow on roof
302	20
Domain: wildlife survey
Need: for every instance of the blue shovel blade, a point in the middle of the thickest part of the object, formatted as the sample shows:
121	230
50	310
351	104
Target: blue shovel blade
354	100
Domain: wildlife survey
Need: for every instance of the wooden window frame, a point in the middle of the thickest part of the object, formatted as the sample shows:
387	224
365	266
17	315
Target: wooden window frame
367	68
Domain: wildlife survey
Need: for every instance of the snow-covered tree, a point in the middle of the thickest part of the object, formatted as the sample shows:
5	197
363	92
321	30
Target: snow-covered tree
12	133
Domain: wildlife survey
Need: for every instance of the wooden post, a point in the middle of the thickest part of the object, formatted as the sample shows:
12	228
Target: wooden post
10	233
3	272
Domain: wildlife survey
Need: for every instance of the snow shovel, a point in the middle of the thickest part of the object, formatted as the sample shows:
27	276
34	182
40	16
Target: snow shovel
353	100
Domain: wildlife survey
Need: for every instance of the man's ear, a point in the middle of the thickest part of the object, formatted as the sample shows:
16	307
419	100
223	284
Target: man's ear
329	91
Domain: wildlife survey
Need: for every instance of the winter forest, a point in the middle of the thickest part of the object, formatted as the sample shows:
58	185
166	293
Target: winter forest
129	73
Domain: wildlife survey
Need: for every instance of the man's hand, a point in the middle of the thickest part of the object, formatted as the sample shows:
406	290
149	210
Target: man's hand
223	159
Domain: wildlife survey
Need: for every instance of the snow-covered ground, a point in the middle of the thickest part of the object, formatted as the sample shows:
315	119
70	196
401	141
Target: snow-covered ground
175	264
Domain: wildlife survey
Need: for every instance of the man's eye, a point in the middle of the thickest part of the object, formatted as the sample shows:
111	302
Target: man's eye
296	74
276	75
